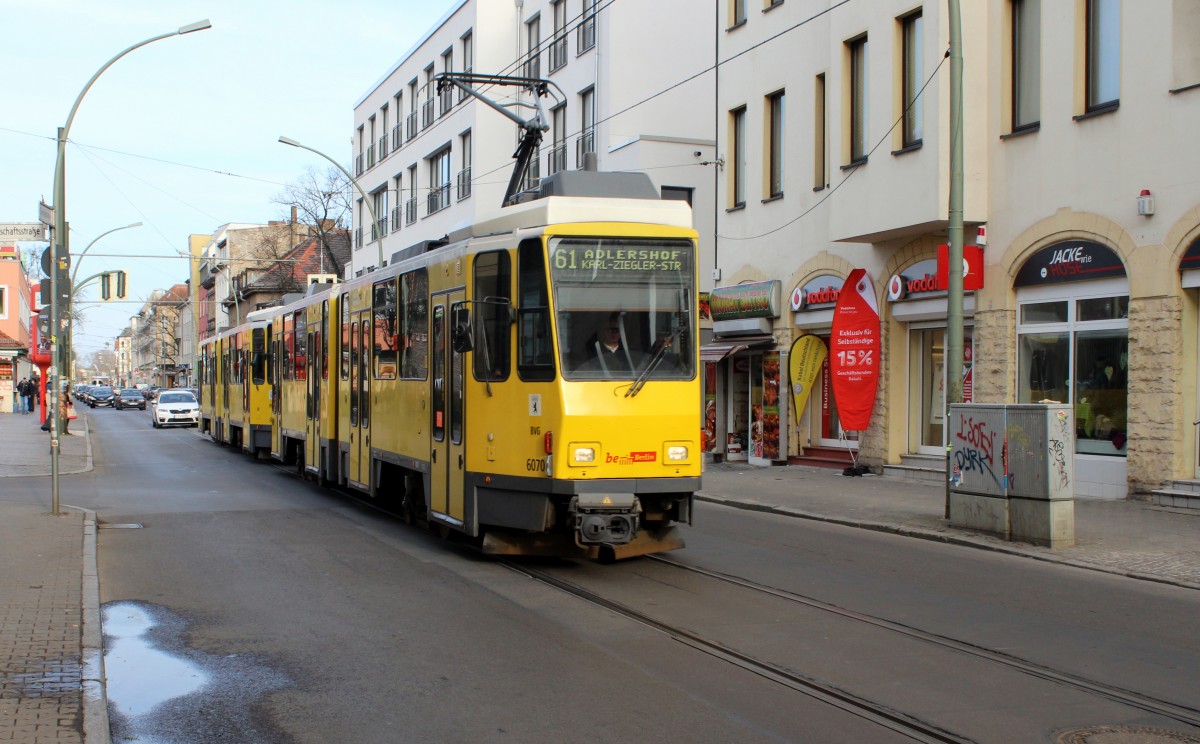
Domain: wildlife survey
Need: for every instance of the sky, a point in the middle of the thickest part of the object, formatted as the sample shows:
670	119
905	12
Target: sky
181	134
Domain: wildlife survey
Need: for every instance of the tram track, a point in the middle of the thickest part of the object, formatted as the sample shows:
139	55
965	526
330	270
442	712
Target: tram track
880	715
1182	714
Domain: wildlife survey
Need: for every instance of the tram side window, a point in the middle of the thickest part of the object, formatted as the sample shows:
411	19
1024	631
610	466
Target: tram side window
345	346
493	293
386	335
301	348
535	355
235	361
414	331
289	338
258	362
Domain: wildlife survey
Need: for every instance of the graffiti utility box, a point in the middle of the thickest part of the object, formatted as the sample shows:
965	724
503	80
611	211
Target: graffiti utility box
978	478
1012	471
1041	452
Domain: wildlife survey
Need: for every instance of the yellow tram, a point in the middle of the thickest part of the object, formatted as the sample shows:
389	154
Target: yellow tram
530	383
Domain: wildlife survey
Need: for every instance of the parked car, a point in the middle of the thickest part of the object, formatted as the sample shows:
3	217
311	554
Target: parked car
80	392
101	395
174	407
151	392
130	398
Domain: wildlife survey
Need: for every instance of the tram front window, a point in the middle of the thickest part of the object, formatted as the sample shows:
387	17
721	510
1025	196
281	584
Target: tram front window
624	308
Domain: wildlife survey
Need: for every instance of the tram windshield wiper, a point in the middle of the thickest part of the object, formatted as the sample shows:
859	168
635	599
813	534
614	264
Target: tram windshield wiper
655	360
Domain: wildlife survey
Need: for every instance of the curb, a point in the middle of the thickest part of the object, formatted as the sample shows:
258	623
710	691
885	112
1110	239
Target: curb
966	540
95	698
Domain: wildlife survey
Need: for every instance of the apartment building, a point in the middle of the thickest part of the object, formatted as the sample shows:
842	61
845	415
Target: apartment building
1078	119
632	85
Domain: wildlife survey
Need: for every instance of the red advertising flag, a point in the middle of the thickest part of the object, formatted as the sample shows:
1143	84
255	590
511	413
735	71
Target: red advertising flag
854	351
972	267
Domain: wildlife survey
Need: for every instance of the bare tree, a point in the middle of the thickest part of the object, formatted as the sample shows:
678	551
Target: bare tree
322	201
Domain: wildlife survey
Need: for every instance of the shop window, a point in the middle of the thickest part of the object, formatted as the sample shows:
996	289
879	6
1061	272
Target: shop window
1077	352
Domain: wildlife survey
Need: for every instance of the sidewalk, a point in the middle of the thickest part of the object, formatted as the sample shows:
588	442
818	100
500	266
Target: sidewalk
50	641
1128	538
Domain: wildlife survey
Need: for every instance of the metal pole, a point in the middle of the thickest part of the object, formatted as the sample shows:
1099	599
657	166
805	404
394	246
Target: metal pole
954	299
346	173
70	334
60	247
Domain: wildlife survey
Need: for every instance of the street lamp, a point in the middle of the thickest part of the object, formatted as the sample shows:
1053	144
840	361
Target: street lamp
60	247
370	206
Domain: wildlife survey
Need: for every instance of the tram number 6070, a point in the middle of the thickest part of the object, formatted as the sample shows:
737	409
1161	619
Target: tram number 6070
535	465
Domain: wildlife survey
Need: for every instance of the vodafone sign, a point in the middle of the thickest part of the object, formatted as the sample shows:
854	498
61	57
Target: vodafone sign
854	351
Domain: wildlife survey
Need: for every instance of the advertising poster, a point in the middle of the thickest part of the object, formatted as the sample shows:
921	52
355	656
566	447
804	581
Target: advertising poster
854	351
770	405
805	360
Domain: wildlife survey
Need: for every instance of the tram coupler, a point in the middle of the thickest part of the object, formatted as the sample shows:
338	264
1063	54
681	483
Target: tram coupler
605	518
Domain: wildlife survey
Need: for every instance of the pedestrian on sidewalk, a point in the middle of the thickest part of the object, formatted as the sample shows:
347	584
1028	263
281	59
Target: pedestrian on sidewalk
21	395
65	409
30	392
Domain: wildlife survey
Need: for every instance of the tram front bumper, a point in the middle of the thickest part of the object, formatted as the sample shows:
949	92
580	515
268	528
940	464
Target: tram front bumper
605	518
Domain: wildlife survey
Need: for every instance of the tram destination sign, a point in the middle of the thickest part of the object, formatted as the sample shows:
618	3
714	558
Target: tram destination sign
583	260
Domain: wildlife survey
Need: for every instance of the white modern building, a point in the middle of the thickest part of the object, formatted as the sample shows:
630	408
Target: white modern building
630	82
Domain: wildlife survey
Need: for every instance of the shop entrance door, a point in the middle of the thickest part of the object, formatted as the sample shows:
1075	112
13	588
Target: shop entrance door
826	427
927	386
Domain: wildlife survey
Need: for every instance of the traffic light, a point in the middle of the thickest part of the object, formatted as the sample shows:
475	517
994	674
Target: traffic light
106	286
120	285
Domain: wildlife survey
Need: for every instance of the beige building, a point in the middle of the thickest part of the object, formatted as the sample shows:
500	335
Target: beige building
1079	117
434	161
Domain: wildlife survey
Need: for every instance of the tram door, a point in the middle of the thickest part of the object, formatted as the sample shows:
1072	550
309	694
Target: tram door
277	395
312	401
226	371
447	458
360	403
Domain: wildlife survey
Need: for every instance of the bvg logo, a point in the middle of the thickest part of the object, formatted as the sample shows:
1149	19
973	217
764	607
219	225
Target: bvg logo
632	457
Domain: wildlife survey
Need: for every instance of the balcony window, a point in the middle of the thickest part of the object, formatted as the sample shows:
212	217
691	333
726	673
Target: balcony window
371	155
397	136
383	147
587	27
439	180
426	113
533	40
410	210
412	125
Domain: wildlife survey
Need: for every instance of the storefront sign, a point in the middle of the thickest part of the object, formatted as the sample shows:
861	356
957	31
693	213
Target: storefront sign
854	351
1191	259
817	293
1070	261
972	267
804	363
755	300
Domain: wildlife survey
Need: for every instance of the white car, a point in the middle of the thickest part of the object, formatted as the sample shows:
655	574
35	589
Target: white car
174	407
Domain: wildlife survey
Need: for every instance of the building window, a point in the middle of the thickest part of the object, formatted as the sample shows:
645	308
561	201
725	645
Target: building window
558	152
464	175
446	96
775	157
1076	351
398	211
820	144
468	59
3	303
427	105
383	132
532	177
439	181
587	27
858	100
914	77
1103	53
737	12
1026	64
677	193
398	129
380	202
533	40
737	134
558	47
587	121
410	207
411	123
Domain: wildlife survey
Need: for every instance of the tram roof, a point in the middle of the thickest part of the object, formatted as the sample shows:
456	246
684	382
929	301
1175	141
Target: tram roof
563	209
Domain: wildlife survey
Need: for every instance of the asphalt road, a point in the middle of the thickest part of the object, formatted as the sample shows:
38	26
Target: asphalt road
302	616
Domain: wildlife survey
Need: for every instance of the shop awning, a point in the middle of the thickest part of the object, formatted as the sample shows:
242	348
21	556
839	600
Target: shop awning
721	348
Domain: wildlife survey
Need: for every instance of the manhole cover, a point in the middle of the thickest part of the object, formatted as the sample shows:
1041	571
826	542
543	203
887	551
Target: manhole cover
1124	735
129	526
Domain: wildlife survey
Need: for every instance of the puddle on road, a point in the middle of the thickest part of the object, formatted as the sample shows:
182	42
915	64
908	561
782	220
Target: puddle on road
140	675
161	691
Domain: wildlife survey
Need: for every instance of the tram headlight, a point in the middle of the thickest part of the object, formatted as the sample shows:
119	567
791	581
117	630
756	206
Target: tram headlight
677	453
584	455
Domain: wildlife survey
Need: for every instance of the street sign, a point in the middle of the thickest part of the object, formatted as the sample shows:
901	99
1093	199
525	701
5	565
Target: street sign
45	213
65	259
33	231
